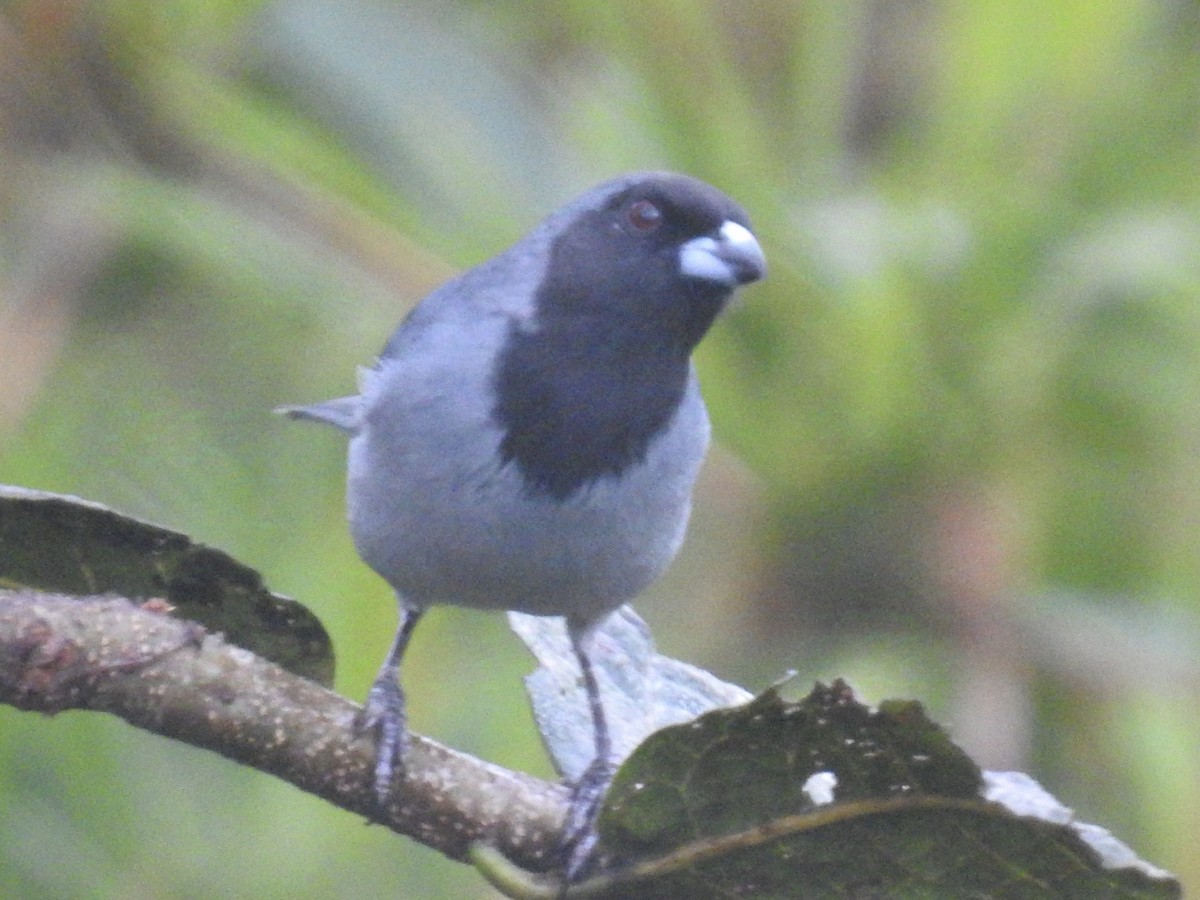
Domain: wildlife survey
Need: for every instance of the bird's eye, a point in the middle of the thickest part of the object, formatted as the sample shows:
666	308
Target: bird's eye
643	216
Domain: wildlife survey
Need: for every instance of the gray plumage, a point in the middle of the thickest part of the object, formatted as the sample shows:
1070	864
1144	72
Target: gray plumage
530	435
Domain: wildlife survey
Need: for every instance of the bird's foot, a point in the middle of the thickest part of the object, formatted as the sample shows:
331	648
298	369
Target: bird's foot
579	832
384	714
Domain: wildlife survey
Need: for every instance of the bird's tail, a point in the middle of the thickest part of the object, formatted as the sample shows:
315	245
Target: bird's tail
344	413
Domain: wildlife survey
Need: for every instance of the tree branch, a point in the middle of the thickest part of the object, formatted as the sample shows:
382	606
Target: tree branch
173	678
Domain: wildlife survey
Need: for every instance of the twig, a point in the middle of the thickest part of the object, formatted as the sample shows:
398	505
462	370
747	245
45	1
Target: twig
171	677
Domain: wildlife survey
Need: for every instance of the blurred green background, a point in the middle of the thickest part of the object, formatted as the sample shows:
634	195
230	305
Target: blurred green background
958	428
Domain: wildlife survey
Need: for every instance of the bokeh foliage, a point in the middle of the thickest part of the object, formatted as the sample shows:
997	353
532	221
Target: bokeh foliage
969	392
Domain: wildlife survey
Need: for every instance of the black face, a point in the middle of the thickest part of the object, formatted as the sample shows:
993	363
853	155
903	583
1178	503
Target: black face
583	394
622	260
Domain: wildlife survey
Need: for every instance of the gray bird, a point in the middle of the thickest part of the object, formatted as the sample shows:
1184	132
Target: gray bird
529	437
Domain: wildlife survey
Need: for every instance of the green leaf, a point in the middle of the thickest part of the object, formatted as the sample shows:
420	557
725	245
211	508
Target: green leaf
829	798
55	542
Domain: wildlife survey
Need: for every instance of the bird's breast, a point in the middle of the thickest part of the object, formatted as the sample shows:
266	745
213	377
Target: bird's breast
444	515
577	402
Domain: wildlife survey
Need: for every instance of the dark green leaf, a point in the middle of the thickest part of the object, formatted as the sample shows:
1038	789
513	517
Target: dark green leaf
55	542
829	798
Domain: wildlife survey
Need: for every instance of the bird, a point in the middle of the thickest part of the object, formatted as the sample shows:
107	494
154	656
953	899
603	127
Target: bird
529	437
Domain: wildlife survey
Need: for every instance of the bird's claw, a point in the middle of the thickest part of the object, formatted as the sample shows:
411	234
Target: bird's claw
579	831
384	714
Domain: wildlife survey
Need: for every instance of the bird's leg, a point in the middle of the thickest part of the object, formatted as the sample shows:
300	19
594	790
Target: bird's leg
579	833
384	712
